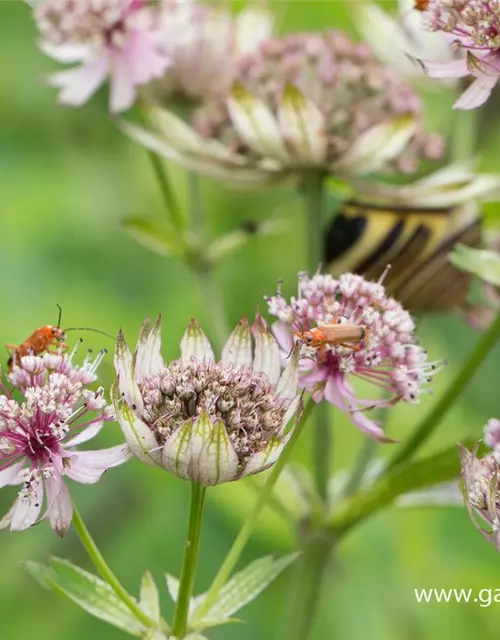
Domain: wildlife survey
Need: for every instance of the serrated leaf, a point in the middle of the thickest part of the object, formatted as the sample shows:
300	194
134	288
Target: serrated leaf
157	237
243	587
150	598
92	594
482	263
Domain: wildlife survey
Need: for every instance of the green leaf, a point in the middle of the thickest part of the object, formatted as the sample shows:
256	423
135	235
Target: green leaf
441	467
241	589
89	592
482	263
38	572
157	237
150	599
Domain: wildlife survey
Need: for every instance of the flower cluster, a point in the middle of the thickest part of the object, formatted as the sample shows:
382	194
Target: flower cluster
387	354
481	483
474	28
207	421
121	39
301	101
205	42
39	433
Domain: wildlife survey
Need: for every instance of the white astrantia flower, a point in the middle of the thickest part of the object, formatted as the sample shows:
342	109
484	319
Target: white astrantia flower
206	421
300	102
205	42
398	39
39	435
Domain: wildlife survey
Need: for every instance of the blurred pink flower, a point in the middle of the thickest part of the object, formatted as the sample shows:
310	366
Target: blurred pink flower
473	26
388	357
119	39
38	436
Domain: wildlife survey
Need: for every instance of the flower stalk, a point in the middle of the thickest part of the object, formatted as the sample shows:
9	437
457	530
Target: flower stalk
314	212
429	424
248	526
167	191
104	570
188	572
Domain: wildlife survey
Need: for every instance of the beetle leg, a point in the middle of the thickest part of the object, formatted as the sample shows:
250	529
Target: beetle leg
11	347
322	354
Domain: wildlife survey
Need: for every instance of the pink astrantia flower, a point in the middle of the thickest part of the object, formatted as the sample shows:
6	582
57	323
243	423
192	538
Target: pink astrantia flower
388	357
120	39
474	27
481	483
40	432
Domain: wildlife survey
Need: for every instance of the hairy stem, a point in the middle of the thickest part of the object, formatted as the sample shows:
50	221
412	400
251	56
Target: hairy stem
464	376
248	526
314	213
188	571
103	569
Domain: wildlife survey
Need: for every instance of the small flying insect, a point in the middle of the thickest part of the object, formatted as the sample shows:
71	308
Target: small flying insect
42	340
339	334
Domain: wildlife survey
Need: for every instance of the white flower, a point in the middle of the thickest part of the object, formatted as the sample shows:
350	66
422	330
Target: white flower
206	421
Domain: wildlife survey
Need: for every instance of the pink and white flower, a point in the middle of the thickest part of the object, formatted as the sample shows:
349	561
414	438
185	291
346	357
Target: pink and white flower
39	435
122	40
473	26
389	356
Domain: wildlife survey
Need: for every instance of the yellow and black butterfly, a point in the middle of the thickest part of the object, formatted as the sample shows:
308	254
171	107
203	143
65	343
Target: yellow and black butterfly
365	238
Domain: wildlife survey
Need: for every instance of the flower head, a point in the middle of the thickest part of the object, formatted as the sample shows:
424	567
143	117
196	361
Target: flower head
206	421
386	353
481	483
472	26
40	432
205	43
120	39
301	101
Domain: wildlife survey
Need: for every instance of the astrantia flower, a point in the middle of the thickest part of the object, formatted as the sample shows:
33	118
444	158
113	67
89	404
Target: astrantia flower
481	484
119	39
398	40
205	42
388	355
473	26
206	421
302	101
40	432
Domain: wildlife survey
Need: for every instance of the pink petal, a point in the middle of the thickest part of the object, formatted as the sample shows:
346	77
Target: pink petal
80	83
67	53
145	58
27	509
85	435
477	94
122	83
10	473
283	335
334	395
442	70
59	505
88	466
370	427
7	519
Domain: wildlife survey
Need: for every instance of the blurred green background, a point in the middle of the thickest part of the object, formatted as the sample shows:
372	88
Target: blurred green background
67	178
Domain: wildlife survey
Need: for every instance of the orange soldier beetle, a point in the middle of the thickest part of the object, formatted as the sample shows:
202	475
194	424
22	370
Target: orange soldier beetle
340	334
421	5
42	340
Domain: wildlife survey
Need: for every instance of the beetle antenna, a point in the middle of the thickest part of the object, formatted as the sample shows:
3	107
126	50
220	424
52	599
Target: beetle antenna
103	333
60	316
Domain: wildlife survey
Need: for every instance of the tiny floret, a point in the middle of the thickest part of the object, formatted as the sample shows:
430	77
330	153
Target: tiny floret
205	420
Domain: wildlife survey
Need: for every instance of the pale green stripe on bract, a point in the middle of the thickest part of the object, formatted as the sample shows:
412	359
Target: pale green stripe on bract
218	462
195	344
238	348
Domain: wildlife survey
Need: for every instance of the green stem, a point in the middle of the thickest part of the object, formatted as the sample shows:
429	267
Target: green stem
425	429
100	564
169	197
464	134
361	463
212	295
307	586
188	571
322	434
248	526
